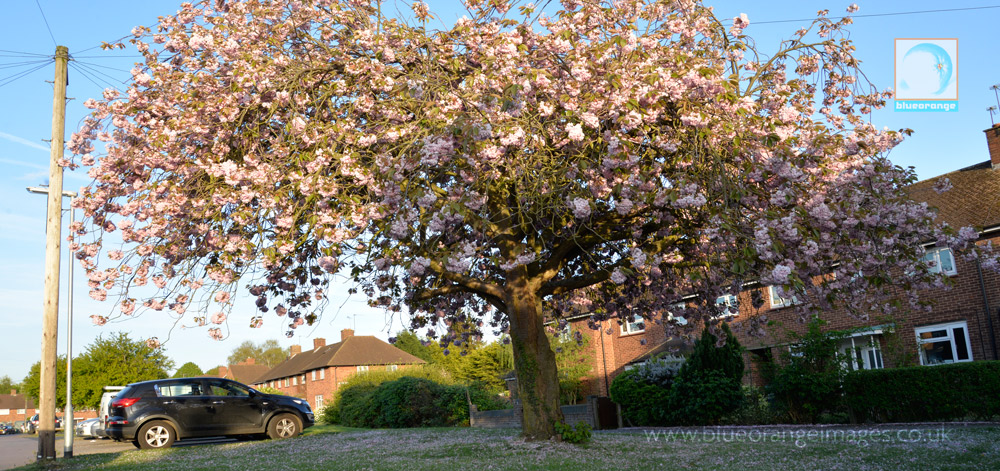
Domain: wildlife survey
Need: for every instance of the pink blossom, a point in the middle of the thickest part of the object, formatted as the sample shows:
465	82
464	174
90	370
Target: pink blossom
218	318
574	132
222	297
215	333
98	320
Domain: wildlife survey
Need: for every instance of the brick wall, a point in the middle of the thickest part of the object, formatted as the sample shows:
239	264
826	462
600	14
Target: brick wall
963	302
511	418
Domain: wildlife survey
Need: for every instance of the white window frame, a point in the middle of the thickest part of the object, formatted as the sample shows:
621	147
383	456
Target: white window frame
4	411
322	373
772	293
635	327
731	303
679	307
295	380
391	367
314	375
20	411
319	402
869	347
362	368
934	255
949	328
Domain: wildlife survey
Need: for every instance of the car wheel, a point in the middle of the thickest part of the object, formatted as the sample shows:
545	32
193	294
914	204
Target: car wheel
156	435
284	426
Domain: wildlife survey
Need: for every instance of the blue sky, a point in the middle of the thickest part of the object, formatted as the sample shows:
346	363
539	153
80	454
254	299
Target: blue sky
942	142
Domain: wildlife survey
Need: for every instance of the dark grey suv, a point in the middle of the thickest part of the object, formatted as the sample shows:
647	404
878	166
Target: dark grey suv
152	414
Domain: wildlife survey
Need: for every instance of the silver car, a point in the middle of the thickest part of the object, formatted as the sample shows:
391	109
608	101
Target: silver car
86	428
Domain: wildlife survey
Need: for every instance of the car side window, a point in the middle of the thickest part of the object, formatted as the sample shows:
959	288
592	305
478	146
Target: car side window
180	389
219	388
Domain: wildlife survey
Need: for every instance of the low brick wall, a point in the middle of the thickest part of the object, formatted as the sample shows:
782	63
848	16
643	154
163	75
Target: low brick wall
511	418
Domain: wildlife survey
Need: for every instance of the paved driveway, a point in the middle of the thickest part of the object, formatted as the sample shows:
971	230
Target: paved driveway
19	450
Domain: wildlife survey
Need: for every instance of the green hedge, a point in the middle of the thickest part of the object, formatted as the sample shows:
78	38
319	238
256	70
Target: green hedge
946	392
407	402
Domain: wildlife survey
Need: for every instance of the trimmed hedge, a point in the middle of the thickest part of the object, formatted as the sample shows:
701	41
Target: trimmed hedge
407	402
925	393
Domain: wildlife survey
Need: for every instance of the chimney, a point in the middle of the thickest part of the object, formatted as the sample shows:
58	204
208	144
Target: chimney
249	361
993	143
317	343
346	334
223	371
296	349
13	392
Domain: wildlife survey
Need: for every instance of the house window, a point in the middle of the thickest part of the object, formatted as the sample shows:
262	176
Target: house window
4	411
322	373
319	402
778	301
20	411
295	381
286	382
633	327
941	261
943	343
728	306
681	320
863	352
391	368
314	375
303	379
362	368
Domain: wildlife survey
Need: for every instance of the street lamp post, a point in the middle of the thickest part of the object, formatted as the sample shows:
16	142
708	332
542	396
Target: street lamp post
68	413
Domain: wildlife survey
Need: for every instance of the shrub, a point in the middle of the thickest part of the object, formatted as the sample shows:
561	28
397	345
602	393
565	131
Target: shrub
708	385
809	383
642	402
727	358
375	400
703	397
754	409
945	392
568	433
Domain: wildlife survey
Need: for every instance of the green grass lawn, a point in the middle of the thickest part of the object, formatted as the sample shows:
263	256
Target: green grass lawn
339	448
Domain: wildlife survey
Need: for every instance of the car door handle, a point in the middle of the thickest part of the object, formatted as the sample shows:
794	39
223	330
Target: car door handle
170	402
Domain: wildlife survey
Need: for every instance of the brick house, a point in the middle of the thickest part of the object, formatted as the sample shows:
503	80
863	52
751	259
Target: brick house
962	325
246	371
15	407
316	374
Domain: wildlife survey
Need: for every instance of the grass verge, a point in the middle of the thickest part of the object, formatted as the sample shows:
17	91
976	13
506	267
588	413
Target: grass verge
340	448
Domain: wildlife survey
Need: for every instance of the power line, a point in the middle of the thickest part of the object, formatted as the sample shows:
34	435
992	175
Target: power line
54	43
872	15
10	78
22	54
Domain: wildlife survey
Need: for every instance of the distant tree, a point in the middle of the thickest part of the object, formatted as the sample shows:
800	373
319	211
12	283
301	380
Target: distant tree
115	361
452	361
7	384
573	364
188	370
488	365
268	353
30	384
212	372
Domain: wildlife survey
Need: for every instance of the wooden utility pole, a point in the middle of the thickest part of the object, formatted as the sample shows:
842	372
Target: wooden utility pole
53	236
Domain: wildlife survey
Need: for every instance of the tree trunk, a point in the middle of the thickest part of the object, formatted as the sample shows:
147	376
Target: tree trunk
534	364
